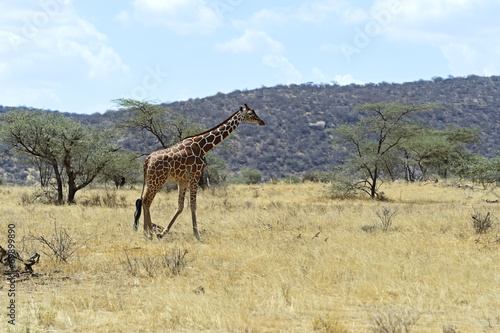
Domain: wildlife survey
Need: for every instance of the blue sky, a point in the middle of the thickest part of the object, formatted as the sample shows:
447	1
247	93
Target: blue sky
78	56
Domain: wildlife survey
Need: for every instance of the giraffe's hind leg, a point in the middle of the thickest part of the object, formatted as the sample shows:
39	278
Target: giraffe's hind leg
180	207
146	204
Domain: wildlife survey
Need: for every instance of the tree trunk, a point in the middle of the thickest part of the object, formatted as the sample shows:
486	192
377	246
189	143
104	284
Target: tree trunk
72	189
57	173
373	189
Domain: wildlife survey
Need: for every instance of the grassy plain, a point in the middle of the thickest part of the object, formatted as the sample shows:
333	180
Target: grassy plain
274	258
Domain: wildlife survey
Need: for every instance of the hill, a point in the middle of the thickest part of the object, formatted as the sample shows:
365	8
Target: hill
296	140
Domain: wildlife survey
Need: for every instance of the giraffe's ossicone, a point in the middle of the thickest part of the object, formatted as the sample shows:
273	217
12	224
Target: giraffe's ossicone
183	163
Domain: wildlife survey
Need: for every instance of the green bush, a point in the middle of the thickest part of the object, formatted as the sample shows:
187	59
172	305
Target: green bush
318	177
250	176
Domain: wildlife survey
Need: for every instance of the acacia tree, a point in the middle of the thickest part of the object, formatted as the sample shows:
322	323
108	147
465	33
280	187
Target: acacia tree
479	169
164	124
85	153
32	133
436	150
375	140
75	152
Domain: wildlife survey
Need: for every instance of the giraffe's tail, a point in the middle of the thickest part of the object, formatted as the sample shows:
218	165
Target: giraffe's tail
138	203
137	215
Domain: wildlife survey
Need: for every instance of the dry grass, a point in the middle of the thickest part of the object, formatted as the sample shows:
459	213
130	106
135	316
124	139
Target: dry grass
273	258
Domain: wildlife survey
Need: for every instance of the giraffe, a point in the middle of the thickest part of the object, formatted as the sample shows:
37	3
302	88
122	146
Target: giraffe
183	163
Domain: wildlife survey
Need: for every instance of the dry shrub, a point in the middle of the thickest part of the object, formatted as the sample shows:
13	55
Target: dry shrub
392	321
62	246
168	263
328	324
109	199
386	218
481	222
42	196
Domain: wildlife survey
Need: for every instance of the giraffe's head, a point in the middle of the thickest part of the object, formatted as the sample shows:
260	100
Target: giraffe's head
251	116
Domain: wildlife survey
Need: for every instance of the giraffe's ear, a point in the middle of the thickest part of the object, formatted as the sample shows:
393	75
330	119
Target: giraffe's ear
241	108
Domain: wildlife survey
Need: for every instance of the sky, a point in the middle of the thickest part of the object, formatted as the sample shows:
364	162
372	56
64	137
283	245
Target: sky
79	56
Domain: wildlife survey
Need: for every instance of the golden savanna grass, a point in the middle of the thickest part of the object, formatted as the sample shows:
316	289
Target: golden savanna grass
274	258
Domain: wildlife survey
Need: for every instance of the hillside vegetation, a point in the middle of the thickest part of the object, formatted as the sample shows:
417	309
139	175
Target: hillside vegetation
273	258
296	139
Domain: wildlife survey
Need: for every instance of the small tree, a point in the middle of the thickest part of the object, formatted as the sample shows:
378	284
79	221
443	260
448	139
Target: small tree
479	169
86	152
374	140
437	150
164	124
32	133
75	152
250	176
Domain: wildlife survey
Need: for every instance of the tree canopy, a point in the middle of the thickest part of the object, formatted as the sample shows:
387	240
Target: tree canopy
165	125
65	149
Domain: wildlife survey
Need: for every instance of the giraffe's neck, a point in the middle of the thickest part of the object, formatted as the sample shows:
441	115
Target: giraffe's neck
211	138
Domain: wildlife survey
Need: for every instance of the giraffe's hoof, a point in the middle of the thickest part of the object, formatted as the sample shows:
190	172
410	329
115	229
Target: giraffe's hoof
160	236
157	228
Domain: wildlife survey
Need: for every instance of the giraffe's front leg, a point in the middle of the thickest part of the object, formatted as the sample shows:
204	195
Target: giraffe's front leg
193	189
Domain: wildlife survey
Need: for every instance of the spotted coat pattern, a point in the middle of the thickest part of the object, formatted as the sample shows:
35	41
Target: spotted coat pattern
183	163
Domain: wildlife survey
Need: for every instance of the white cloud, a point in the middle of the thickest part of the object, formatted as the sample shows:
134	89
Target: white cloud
322	10
251	41
45	46
347	79
316	12
465	31
55	38
182	16
266	16
291	74
318	76
124	17
415	11
464	59
29	96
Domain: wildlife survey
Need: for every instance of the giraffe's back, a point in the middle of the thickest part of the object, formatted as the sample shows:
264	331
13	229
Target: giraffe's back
173	164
